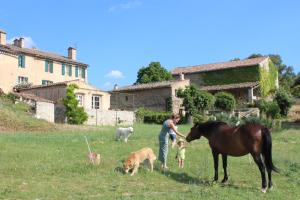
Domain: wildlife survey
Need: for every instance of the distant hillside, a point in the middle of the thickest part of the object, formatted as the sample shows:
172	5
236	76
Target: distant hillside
18	117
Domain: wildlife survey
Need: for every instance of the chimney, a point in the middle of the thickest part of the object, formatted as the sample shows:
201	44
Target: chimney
72	53
21	42
16	42
181	76
2	37
116	87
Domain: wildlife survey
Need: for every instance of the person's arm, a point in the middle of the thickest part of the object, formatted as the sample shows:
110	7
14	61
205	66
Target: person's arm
172	126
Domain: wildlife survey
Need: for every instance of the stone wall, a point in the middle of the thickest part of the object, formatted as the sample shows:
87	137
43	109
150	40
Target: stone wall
44	110
110	117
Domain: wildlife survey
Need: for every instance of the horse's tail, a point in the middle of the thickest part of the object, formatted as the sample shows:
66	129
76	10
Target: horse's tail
267	149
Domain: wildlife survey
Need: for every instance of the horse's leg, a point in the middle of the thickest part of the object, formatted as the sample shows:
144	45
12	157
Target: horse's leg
224	159
216	163
270	184
258	160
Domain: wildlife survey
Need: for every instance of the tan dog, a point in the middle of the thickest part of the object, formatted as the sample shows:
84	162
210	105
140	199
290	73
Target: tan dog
94	158
135	158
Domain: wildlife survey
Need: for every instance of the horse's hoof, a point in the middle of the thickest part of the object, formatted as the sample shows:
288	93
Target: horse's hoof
271	188
264	190
224	181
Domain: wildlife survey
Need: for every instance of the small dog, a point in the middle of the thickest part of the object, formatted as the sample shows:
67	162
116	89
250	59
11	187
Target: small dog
124	133
135	158
94	158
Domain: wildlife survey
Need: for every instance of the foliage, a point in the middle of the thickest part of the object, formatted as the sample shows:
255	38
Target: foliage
242	74
148	116
268	79
153	73
198	118
296	91
74	113
225	117
11	96
195	100
225	101
169	104
269	108
284	101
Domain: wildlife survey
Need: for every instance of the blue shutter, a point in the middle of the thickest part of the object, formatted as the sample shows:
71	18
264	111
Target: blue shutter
23	61
63	69
51	67
70	70
46	66
76	71
19	60
83	72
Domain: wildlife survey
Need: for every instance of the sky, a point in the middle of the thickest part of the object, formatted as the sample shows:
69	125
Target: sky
118	37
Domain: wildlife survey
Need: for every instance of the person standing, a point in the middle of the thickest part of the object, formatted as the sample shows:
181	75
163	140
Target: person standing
168	125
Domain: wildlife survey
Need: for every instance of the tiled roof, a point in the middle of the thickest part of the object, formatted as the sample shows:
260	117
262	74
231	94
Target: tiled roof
39	54
32	97
161	84
230	86
218	66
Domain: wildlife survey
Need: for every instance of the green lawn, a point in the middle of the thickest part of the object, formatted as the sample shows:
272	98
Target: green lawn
54	166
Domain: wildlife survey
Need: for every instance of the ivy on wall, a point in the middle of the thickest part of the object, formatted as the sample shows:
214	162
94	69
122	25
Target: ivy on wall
230	76
267	79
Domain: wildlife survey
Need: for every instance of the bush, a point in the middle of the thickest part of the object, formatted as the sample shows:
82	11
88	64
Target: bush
296	91
10	96
284	101
74	113
225	117
198	118
269	123
225	101
148	116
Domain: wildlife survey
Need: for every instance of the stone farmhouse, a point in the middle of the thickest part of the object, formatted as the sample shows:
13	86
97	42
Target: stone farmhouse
247	79
158	96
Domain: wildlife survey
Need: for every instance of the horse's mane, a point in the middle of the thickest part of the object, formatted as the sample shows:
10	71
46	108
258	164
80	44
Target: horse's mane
210	126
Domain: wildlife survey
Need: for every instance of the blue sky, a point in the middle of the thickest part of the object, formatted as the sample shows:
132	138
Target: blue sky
117	37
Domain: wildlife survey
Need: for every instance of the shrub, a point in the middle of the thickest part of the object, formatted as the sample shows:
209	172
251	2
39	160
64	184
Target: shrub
225	117
284	101
296	91
225	101
269	108
10	96
74	113
198	118
148	116
269	123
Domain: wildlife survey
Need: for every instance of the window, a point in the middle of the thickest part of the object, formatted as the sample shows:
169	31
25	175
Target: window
22	80
126	98
80	99
63	69
49	66
95	102
21	61
46	82
76	71
70	70
83	72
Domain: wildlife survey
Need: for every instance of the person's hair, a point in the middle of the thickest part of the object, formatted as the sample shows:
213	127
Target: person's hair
175	116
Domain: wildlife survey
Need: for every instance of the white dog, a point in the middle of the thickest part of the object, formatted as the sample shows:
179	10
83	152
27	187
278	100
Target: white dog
124	133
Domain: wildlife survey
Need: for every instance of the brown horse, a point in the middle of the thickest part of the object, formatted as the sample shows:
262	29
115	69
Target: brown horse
237	141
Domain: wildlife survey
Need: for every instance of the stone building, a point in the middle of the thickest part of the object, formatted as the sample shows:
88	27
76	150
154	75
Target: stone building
158	96
20	65
247	79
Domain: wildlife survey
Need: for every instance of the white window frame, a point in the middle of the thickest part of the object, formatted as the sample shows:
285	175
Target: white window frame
22	80
80	99
94	101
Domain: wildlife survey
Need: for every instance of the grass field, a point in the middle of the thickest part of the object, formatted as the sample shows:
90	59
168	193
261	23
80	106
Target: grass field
53	166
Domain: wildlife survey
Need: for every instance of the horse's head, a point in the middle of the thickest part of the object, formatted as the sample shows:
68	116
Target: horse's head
194	133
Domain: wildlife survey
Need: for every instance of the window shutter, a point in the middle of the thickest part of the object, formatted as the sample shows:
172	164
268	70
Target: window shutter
46	66
70	70
63	69
51	67
76	71
82	72
23	61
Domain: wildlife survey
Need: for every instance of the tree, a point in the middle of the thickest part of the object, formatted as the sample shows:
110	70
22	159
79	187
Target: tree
195	100
284	101
153	73
225	101
75	114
